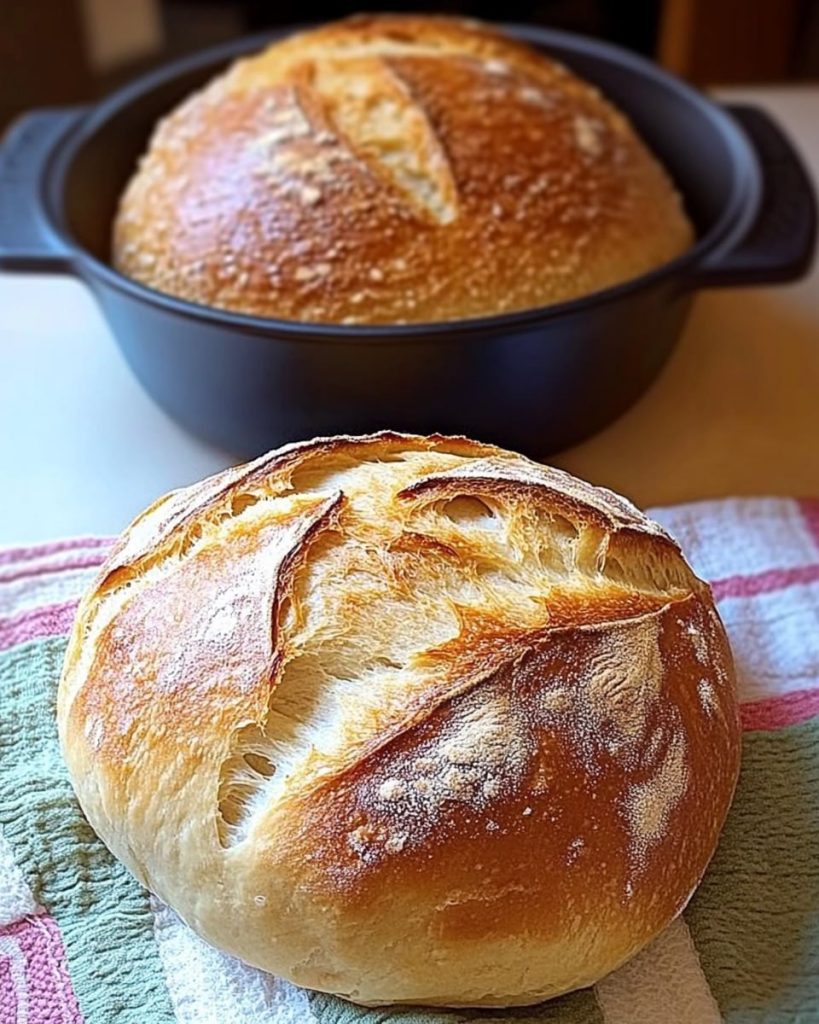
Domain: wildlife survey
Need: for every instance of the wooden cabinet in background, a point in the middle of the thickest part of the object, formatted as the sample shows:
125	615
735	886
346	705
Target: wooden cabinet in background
714	42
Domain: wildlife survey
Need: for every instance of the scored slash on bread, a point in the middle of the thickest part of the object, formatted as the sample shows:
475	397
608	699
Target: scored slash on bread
406	719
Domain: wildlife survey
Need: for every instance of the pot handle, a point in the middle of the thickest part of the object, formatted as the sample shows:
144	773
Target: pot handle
28	239
778	244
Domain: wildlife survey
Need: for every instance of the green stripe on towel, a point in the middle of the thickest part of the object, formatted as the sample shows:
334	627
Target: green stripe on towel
755	919
103	913
577	1008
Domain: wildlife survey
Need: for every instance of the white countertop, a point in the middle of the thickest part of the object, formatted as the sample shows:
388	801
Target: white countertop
735	411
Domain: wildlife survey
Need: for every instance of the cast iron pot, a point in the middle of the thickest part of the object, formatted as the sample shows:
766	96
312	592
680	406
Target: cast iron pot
535	381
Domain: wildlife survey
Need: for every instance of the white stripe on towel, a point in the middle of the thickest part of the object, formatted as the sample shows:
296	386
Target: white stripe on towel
209	987
662	985
21	595
16	899
730	536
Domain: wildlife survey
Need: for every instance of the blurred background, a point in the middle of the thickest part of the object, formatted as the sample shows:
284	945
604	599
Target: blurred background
70	51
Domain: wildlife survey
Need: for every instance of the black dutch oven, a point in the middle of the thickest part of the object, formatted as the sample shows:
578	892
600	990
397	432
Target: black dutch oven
536	380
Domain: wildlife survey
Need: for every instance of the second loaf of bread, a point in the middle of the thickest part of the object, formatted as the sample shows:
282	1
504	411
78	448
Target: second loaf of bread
394	169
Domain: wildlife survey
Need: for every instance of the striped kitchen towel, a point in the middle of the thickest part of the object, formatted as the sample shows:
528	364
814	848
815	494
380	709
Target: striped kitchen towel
80	940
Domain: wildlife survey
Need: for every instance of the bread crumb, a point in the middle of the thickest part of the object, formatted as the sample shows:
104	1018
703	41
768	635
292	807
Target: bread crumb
310	273
707	698
392	789
698	643
286	131
310	195
555	701
587	135
529	94
575	847
457	785
360	839
491	788
396	843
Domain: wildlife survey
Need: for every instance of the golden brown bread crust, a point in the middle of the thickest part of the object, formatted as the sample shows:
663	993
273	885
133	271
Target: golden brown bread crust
406	719
389	169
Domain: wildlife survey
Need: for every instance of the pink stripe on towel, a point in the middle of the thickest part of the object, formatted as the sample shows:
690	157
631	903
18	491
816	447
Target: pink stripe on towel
810	513
778	712
27	572
47	620
34	981
53	548
764	582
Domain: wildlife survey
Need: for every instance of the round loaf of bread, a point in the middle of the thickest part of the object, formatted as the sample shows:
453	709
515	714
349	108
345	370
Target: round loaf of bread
406	719
395	169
